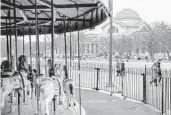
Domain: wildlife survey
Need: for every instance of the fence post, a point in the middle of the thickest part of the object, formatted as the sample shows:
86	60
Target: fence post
97	83
144	86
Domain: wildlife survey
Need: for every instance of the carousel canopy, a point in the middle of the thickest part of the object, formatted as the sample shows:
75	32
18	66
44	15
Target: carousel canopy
69	15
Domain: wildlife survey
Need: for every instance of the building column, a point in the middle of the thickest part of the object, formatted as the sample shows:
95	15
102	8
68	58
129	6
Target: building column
87	48
95	49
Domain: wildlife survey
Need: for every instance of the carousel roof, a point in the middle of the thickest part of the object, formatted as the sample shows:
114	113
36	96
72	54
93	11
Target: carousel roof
69	15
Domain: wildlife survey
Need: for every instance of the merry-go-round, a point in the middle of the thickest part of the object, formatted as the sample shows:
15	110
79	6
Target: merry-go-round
25	90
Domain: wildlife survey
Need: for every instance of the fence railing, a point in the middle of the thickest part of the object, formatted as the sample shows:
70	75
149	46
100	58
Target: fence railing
134	84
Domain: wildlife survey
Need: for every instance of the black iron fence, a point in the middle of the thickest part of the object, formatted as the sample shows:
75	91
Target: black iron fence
134	84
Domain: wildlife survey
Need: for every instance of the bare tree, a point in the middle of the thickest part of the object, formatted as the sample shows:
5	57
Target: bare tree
104	44
164	39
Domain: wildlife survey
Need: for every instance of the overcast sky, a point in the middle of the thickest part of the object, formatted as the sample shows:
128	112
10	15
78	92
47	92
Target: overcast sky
148	10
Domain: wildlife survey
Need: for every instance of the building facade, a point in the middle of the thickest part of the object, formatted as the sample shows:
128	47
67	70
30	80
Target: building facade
128	31
124	24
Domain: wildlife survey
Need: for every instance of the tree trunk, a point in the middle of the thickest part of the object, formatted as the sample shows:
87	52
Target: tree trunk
169	58
166	49
151	55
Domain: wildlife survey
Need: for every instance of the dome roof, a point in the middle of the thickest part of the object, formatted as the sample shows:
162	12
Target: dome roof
128	17
127	14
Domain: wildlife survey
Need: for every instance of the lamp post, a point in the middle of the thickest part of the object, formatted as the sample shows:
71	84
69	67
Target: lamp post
111	50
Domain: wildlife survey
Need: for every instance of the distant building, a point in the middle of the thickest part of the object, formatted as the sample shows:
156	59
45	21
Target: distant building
125	23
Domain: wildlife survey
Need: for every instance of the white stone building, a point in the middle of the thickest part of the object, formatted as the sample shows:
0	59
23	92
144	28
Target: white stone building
124	23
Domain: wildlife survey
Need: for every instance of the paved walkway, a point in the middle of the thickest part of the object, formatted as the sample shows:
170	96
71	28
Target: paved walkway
96	103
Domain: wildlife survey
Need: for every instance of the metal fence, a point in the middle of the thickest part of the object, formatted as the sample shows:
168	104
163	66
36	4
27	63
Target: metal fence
134	84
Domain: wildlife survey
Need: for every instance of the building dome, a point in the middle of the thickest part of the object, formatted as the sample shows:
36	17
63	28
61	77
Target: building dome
127	13
128	17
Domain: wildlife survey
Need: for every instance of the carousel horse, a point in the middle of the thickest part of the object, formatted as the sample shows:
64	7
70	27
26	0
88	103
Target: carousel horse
14	80
47	92
7	84
50	88
23	73
32	78
69	89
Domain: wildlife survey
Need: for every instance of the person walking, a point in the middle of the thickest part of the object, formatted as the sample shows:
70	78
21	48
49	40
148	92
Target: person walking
156	72
159	70
118	68
122	68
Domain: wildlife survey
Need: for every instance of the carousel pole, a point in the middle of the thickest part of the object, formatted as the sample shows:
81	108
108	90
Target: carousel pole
79	65
23	42
45	52
52	34
10	52
66	75
30	57
37	59
37	40
52	44
7	41
8	57
70	49
30	45
15	25
111	50
10	44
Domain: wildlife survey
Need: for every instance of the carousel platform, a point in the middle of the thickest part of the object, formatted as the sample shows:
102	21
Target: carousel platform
30	109
93	103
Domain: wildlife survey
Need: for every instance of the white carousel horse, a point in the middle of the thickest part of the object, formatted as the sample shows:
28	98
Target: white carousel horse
50	87
7	85
69	89
12	81
46	88
47	92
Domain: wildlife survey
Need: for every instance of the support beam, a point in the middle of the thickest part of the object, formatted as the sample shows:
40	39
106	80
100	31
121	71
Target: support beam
44	19
30	7
9	4
6	7
68	5
23	15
